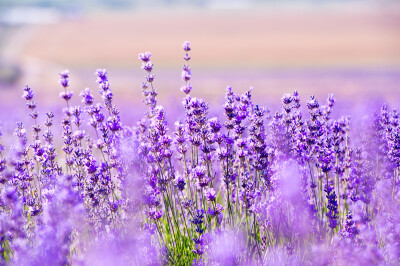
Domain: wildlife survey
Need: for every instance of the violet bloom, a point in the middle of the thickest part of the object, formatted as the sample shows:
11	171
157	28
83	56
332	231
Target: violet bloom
217	211
350	229
215	125
180	183
101	76
287	98
150	78
186	71
154	214
332	206
147	66
87	97
198	220
28	93
66	95
64	78
210	194
145	57
312	103
187	88
186	47
199	172
186	75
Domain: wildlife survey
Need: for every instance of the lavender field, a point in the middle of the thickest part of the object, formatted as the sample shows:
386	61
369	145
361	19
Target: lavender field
271	138
237	185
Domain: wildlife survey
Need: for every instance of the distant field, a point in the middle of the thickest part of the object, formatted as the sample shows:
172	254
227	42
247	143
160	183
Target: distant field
354	53
264	38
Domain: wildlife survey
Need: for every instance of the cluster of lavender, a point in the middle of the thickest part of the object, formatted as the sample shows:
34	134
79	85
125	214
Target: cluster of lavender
249	187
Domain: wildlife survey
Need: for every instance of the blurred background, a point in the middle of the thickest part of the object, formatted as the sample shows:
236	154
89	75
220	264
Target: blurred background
350	48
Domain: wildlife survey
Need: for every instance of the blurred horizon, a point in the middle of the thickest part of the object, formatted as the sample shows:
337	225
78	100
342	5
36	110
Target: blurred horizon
349	48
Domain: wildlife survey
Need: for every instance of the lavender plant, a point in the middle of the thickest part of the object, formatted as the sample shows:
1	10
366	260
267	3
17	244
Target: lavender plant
247	187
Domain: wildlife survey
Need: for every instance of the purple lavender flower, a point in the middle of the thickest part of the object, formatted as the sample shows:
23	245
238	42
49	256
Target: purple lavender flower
64	78
28	93
87	97
199	172
312	103
332	207
101	76
186	47
147	66
197	220
210	194
186	75
180	183
145	57
187	88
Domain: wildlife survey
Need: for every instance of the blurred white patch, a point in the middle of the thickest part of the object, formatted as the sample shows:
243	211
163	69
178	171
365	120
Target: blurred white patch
30	15
228	4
